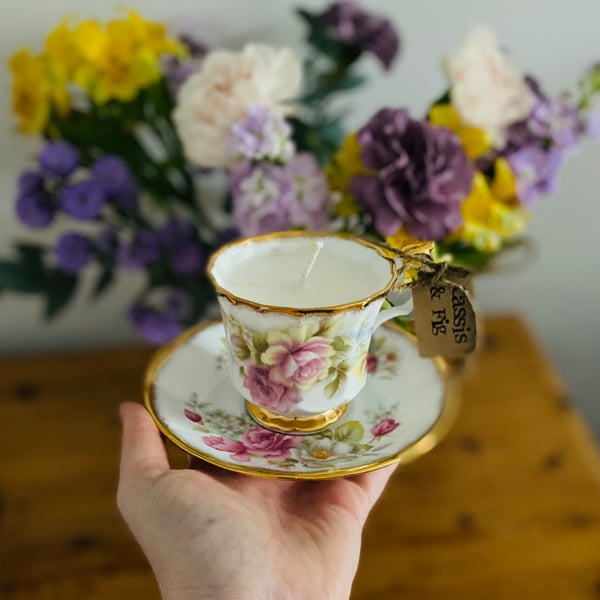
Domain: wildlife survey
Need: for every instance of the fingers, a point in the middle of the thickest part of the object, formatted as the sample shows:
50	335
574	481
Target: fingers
143	454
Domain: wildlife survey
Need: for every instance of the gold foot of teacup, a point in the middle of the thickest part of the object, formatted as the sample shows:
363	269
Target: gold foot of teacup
295	425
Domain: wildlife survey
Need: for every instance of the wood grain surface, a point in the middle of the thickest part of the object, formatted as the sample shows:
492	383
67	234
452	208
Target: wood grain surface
508	506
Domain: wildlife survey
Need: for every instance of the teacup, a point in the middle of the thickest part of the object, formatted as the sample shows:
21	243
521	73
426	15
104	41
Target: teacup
299	310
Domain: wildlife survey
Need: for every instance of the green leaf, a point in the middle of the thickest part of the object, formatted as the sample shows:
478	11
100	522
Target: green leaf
350	432
259	341
103	282
60	289
334	385
31	257
341	344
17	278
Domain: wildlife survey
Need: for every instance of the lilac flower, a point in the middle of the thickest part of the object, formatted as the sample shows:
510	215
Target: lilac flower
556	120
422	175
155	326
263	134
309	208
350	24
35	209
83	200
141	251
73	252
111	174
536	172
262	195
30	182
182	247
59	158
592	121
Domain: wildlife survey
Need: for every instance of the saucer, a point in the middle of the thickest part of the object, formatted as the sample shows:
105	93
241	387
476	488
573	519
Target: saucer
405	408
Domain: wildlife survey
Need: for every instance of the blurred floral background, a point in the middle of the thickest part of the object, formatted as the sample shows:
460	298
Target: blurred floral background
163	143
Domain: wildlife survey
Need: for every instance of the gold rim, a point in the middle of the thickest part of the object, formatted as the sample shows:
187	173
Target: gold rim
295	425
428	441
298	312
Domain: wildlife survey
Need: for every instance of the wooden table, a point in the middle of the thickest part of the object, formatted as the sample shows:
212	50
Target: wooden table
508	506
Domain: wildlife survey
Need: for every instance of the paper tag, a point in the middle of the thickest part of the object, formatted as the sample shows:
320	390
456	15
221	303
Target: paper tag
444	317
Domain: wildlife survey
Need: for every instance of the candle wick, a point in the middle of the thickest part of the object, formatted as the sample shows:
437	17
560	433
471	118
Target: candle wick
313	260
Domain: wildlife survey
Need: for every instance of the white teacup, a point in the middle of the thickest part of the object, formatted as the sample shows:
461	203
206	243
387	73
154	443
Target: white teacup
298	342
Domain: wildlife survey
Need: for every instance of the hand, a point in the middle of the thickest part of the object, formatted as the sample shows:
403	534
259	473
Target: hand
214	534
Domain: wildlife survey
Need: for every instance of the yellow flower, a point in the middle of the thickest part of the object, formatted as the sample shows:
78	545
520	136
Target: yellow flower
61	51
476	142
120	59
504	186
154	36
488	219
339	172
30	97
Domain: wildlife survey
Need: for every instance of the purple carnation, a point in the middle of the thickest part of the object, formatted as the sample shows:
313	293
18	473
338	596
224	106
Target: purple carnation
112	175
350	24
536	172
35	209
421	177
262	194
72	252
59	158
83	200
155	326
141	251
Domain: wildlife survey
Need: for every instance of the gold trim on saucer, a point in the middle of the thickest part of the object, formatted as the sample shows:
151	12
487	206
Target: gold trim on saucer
430	439
299	312
295	425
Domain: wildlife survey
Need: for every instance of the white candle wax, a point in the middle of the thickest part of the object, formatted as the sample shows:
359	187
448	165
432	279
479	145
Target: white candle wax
276	278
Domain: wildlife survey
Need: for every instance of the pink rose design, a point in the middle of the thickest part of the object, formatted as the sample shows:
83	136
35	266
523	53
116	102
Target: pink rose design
267	393
295	360
371	363
268	444
384	427
238	450
192	416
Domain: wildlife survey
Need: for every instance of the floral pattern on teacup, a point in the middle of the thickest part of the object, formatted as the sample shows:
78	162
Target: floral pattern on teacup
279	364
246	442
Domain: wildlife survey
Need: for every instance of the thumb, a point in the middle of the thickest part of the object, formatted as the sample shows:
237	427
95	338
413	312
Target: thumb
143	454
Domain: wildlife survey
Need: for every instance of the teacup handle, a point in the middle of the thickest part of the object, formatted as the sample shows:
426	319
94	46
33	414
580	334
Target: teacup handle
402	310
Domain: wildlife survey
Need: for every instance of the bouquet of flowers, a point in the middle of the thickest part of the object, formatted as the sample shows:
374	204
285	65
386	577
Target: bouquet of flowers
140	127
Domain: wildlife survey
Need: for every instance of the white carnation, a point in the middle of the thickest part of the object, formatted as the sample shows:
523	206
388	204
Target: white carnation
218	95
487	87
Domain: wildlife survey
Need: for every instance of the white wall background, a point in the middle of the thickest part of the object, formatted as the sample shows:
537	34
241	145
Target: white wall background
559	293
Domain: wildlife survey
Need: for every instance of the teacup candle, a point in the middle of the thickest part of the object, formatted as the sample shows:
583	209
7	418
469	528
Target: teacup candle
299	310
